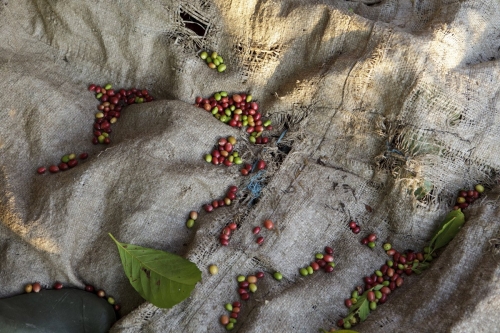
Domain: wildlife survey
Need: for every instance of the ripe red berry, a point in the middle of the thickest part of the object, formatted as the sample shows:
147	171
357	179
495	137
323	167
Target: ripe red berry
268	224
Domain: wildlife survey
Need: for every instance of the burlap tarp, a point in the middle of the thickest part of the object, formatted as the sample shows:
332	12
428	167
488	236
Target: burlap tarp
389	109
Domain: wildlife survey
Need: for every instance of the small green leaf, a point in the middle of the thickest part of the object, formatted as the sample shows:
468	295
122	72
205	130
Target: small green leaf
378	287
360	301
361	308
162	278
448	230
364	310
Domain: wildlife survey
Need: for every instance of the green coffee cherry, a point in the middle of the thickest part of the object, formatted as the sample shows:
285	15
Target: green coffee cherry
229	307
190	223
303	272
221	68
278	276
203	55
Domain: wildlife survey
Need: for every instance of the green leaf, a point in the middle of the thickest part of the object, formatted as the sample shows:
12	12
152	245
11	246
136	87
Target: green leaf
448	230
355	307
378	287
362	307
364	310
417	271
162	278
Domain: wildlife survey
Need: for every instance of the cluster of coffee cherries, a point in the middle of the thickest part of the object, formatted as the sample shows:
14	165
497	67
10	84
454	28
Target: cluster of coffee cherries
465	198
247	285
322	261
237	110
193	215
112	103
230	196
248	168
213	60
379	285
355	228
224	153
268	224
67	162
226	232
370	240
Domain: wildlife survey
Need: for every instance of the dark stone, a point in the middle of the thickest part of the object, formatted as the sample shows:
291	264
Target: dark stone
65	310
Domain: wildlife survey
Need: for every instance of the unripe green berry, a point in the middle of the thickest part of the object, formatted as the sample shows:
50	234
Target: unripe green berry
190	223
